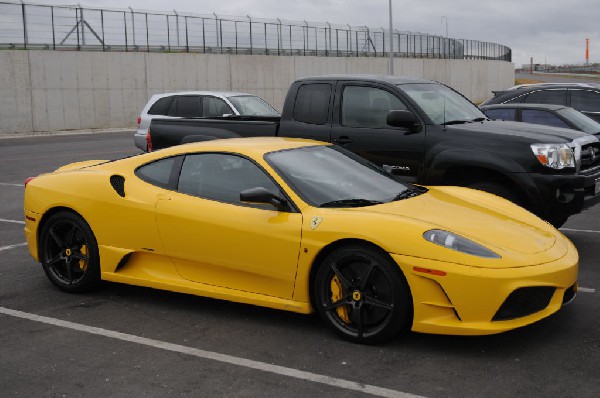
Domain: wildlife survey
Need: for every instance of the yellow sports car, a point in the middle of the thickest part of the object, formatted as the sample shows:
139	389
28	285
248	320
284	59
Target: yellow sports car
301	226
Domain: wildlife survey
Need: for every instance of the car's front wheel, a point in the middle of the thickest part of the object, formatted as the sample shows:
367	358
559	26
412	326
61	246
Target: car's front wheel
362	294
69	252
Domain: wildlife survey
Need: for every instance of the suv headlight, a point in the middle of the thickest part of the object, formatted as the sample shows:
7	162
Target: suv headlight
556	156
458	243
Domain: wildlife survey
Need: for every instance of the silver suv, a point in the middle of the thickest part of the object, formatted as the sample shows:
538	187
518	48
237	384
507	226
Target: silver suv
190	104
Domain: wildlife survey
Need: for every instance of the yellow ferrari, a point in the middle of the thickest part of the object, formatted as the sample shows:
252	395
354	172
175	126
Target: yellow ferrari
301	226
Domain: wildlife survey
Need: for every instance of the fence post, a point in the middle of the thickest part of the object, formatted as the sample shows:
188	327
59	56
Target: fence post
147	34
102	26
24	15
187	42
132	27
168	33
125	26
53	32
250	29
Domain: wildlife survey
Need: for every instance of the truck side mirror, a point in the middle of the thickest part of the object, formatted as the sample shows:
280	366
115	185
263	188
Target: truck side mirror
404	119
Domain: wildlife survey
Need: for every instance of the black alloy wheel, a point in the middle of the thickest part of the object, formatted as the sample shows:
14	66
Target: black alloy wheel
362	294
69	253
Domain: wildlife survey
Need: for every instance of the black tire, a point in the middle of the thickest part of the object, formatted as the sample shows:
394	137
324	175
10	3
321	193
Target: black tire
498	189
69	253
362	294
557	220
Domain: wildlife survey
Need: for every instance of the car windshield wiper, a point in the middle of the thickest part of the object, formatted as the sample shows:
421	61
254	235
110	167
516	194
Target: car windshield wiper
409	193
353	202
479	119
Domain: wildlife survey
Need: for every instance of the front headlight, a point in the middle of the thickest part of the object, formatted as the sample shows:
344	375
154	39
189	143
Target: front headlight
458	243
556	156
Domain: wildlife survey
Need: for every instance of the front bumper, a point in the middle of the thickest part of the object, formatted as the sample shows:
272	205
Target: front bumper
471	301
567	194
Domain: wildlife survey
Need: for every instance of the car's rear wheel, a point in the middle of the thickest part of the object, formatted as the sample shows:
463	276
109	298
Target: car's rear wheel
69	252
362	294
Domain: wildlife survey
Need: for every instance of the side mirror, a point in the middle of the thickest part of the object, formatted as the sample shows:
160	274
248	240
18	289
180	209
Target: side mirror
404	119
263	196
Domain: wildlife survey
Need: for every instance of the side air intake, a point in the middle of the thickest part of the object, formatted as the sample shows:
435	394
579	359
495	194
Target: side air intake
118	184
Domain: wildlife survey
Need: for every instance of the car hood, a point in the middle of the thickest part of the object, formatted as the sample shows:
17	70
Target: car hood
518	236
533	133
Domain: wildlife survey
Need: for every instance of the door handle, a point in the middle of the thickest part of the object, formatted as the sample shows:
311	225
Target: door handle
163	196
342	140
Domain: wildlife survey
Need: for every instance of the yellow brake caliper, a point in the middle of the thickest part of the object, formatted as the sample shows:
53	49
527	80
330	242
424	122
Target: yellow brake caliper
83	263
336	295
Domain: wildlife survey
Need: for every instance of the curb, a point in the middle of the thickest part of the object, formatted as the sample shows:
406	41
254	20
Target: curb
67	132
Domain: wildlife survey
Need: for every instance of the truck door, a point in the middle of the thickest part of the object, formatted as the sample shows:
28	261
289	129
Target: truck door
360	126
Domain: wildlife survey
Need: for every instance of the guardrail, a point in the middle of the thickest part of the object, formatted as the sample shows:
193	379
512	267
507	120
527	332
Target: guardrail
36	26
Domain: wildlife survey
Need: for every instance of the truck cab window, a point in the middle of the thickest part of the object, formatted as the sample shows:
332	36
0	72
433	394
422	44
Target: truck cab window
367	106
312	103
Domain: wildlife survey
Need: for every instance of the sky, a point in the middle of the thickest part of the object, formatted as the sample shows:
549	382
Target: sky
550	31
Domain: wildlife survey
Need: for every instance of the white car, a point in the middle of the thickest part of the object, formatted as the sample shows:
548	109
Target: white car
189	104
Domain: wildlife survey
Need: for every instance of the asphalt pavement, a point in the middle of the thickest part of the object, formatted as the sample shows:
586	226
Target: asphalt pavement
124	341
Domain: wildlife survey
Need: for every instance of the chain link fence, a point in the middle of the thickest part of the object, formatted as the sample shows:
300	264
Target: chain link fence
33	26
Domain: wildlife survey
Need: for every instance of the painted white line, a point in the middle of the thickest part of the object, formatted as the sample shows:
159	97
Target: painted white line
586	290
580	230
12	246
247	363
12	185
13	221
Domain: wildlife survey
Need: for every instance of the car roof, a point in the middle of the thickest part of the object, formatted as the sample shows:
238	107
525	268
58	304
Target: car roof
534	86
205	92
367	77
550	107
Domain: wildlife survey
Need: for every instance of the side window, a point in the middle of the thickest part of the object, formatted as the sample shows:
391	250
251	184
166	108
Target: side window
500	114
157	172
558	97
185	106
585	100
215	107
160	106
542	117
367	106
222	177
312	103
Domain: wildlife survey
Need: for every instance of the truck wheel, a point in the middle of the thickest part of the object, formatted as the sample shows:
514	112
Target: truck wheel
497	189
557	220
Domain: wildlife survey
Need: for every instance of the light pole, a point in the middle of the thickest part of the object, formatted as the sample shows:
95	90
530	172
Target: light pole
391	67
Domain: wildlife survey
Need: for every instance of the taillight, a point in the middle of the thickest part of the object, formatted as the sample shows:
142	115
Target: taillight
27	180
139	121
148	141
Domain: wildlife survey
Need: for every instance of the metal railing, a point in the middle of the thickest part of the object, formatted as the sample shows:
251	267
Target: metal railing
35	26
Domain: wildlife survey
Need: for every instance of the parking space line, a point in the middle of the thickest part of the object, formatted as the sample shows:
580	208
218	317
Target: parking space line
11	185
12	246
580	230
13	221
229	359
586	290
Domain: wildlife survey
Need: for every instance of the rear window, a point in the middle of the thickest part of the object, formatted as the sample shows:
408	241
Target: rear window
312	103
558	97
500	114
588	101
160	106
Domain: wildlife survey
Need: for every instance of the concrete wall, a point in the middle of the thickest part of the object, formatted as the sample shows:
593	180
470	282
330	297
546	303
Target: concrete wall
61	90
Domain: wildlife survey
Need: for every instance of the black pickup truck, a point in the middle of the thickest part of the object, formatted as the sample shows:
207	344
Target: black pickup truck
423	132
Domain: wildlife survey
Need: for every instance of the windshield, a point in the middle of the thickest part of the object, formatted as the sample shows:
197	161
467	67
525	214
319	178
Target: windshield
581	121
442	104
327	176
250	105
